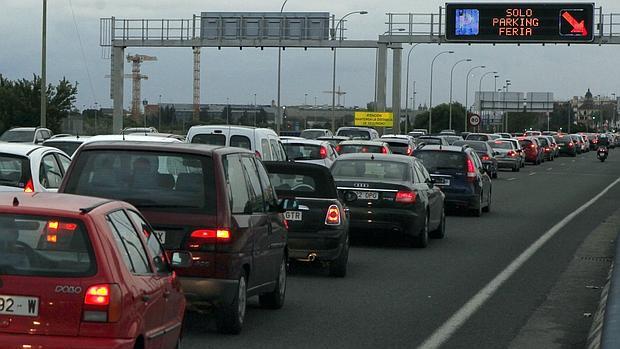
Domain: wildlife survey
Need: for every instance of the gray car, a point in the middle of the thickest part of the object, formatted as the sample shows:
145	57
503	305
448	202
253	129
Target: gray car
506	154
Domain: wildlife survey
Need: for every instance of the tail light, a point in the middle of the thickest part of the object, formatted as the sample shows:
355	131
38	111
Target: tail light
547	149
29	188
485	157
333	215
258	154
512	153
409	151
406	197
384	150
208	236
338	148
323	152
533	146
571	144
102	303
471	170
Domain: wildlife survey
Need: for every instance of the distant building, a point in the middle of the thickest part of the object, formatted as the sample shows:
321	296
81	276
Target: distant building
594	112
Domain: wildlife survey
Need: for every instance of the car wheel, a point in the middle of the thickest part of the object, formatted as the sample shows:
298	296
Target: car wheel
275	299
440	232
494	175
477	212
338	267
487	208
421	241
229	318
516	168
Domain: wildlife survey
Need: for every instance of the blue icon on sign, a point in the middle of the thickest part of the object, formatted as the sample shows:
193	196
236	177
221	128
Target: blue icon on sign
467	22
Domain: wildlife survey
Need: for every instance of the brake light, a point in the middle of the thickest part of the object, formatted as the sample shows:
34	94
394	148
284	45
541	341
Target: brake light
258	154
208	236
323	152
409	151
29	188
384	150
533	146
485	157
595	141
511	153
471	170
405	197
55	225
547	149
333	215
338	148
570	145
102	303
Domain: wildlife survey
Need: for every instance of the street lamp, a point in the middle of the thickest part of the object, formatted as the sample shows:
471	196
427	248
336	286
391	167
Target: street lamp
43	121
467	91
407	89
278	116
335	31
451	78
430	110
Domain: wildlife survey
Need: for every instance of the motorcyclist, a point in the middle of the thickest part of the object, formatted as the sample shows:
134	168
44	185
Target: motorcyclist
603	141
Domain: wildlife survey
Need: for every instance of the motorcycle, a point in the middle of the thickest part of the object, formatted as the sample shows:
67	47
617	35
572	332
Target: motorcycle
602	153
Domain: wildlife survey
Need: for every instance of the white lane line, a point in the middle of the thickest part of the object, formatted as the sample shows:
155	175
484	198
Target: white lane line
550	168
443	333
533	173
511	179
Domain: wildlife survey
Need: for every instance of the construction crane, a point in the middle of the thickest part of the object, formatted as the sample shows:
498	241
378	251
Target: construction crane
137	78
338	93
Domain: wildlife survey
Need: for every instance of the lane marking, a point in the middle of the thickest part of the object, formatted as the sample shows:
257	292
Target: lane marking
443	333
511	179
550	168
533	173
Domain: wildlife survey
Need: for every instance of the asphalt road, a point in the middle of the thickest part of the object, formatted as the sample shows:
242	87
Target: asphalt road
396	297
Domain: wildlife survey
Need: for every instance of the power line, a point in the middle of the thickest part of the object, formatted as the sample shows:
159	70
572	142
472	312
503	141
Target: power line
77	31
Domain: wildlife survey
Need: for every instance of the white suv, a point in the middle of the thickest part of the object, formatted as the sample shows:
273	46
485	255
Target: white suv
29	135
263	141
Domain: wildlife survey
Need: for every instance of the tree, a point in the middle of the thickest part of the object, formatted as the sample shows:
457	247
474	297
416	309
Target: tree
441	118
20	102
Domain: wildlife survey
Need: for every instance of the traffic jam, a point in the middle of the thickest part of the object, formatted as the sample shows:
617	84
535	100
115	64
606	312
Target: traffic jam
108	241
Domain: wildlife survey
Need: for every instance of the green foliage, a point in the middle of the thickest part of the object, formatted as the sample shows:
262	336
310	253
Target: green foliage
441	118
20	102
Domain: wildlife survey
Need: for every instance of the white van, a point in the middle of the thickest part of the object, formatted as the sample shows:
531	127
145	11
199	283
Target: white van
263	141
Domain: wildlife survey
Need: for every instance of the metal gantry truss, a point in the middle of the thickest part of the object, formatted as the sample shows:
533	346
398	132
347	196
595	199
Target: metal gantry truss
402	28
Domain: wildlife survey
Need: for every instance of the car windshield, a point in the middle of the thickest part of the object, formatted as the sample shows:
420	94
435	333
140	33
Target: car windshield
14	171
44	246
441	160
372	169
354	134
173	182
501	145
299	151
359	148
68	147
17	136
312	134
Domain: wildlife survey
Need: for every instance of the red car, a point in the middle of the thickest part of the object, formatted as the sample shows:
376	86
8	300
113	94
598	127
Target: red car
533	151
79	272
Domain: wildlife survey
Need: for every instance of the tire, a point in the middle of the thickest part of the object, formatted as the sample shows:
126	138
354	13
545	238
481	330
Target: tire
516	168
487	208
440	232
338	267
421	241
477	212
229	318
494	175
275	299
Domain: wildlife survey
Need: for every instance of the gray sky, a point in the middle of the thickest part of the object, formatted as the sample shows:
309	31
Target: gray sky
230	73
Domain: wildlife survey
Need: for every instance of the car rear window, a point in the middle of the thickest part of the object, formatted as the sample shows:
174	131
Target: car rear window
159	181
477	137
312	134
501	145
372	169
442	160
398	147
298	151
525	143
478	146
238	141
68	147
44	246
14	171
17	136
291	183
211	139
355	134
358	148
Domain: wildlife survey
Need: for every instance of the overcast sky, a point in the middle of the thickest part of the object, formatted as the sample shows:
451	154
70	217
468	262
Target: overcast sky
237	75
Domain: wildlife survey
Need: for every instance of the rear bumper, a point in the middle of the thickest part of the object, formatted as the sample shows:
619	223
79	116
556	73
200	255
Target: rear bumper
508	163
20	341
209	291
325	244
466	200
369	219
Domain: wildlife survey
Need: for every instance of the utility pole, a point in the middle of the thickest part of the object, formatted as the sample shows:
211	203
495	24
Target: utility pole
43	122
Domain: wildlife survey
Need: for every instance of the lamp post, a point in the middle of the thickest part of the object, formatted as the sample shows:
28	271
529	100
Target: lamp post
407	90
430	110
508	83
451	79
335	31
278	115
467	92
43	121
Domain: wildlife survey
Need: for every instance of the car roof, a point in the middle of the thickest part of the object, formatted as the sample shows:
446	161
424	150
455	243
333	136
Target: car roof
333	137
20	149
304	141
363	142
25	129
190	148
52	202
67	139
132	138
378	157
395	140
315	129
356	128
231	127
436	147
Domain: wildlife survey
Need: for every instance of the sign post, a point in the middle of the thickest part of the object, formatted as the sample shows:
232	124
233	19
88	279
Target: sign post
474	120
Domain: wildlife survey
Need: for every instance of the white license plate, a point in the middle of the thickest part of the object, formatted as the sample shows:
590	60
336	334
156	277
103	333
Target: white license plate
293	215
161	235
367	195
17	305
440	182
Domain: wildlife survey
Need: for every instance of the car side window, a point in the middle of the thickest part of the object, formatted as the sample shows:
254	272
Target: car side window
64	162
50	174
417	177
275	148
152	243
477	161
423	172
268	191
236	184
128	243
256	192
265	149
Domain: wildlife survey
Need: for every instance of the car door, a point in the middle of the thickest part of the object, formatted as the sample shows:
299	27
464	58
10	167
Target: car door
483	175
174	303
145	287
435	197
50	173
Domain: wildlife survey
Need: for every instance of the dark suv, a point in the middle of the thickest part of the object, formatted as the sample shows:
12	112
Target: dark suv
460	174
216	203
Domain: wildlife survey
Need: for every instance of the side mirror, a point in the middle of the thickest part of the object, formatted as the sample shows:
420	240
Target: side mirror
181	259
287	205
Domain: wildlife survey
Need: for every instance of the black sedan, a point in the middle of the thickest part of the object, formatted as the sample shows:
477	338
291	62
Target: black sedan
391	194
318	230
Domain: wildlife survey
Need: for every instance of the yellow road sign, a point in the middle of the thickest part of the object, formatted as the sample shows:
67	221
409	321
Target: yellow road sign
376	119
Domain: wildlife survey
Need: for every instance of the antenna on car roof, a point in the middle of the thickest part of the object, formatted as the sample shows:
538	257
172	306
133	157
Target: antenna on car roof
123	134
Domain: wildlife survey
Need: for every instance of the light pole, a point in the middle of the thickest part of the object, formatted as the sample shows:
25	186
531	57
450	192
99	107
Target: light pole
43	120
255	111
159	115
451	79
467	92
305	99
335	31
407	90
278	115
508	83
430	109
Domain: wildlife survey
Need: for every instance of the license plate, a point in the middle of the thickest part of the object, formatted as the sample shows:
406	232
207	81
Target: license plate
161	235
441	182
17	305
367	195
293	215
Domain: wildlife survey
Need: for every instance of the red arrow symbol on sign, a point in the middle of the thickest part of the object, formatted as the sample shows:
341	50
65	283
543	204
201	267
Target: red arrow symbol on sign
578	27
